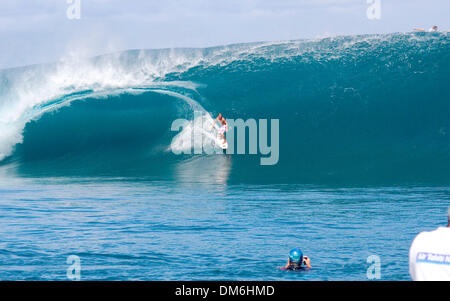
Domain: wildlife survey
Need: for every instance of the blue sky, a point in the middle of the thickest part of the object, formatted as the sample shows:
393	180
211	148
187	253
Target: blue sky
36	31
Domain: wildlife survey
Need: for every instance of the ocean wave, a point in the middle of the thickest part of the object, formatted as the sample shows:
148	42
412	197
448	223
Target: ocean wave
352	105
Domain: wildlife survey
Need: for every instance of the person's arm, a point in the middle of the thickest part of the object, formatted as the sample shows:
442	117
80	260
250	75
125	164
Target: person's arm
419	29
286	266
214	122
307	261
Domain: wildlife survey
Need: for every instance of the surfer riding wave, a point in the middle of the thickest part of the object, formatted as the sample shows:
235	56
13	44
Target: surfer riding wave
222	129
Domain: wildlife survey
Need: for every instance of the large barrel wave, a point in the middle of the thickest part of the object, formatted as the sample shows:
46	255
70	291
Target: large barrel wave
355	108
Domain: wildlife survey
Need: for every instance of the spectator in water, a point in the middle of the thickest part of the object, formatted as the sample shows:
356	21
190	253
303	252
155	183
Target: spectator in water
429	255
297	261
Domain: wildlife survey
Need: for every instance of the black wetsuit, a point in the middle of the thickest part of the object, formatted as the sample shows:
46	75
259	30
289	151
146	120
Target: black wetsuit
295	267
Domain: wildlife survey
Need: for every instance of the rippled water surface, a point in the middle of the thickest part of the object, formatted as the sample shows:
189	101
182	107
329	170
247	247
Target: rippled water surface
131	230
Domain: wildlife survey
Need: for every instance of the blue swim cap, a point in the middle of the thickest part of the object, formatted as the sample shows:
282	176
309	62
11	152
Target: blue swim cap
296	255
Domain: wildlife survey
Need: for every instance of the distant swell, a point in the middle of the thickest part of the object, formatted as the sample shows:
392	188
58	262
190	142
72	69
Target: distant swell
372	108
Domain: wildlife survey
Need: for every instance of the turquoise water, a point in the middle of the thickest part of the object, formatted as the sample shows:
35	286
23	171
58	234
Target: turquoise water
86	164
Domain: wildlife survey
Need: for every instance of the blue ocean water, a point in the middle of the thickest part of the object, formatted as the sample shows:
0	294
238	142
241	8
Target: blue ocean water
86	167
164	231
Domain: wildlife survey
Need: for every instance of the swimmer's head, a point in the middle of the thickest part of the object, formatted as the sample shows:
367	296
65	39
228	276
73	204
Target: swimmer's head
296	256
435	28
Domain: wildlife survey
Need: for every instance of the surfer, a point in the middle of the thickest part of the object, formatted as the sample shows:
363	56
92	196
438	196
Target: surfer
223	127
432	29
297	261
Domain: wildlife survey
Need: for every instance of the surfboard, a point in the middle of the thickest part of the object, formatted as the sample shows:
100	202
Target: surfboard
222	143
